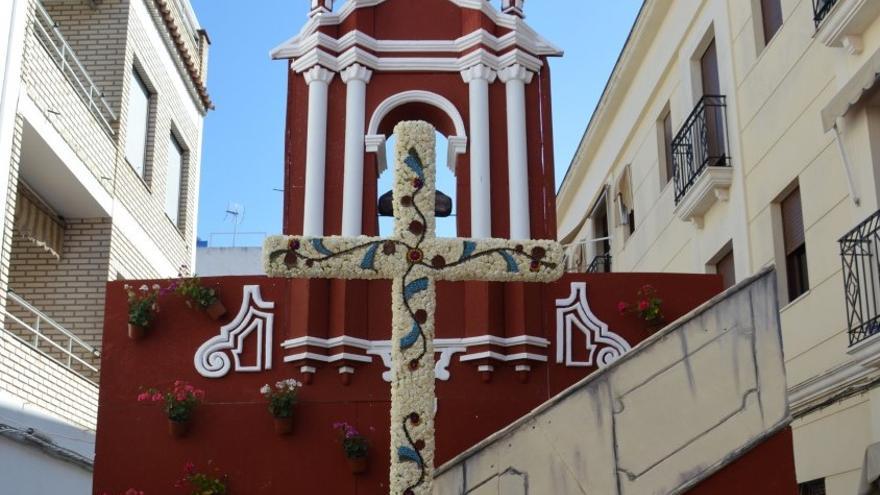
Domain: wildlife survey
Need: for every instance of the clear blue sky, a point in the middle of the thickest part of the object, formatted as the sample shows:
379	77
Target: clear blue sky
242	160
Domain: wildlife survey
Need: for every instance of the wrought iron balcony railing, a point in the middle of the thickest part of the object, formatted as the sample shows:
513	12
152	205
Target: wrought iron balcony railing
701	143
859	250
821	8
46	30
600	264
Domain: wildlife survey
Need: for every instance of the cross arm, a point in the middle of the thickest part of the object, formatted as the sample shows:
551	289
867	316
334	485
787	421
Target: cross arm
333	257
495	260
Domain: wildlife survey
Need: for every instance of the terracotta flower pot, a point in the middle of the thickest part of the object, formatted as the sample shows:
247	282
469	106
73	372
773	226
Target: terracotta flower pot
136	332
358	465
284	426
178	429
216	310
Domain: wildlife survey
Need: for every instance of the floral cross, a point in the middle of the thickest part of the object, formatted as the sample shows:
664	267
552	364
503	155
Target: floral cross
413	258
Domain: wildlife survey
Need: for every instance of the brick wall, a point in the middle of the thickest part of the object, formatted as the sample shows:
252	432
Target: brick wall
35	378
70	289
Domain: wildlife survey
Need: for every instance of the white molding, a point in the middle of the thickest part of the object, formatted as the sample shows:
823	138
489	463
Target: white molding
505	342
574	313
862	365
357	55
711	186
374	142
343	340
846	23
503	357
212	360
520	31
345	356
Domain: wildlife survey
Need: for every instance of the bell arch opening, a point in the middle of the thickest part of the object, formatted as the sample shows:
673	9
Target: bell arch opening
447	192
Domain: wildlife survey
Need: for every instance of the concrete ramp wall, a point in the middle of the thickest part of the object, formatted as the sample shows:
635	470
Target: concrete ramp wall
674	410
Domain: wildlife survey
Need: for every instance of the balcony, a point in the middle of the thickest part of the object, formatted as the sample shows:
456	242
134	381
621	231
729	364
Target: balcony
859	250
59	50
701	160
843	23
821	8
600	264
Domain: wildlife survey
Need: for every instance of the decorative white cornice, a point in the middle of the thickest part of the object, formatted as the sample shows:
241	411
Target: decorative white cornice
478	72
846	23
318	74
356	72
515	72
357	55
862	367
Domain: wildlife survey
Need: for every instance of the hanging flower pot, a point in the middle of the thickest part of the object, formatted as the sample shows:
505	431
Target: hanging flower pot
358	465
178	429
284	426
136	332
216	310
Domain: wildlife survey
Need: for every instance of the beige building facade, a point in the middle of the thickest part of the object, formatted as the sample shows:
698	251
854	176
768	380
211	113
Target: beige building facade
735	135
101	119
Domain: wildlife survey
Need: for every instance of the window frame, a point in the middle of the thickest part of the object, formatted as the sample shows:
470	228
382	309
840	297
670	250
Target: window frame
767	37
138	79
174	140
794	258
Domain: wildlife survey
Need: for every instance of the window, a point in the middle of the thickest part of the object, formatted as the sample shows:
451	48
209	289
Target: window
725	267
815	487
795	245
172	184
137	123
668	136
626	208
771	17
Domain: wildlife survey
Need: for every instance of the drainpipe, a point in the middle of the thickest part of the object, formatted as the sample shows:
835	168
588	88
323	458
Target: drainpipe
847	167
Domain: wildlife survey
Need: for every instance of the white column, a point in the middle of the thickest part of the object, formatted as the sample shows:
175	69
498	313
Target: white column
478	79
515	79
318	79
356	78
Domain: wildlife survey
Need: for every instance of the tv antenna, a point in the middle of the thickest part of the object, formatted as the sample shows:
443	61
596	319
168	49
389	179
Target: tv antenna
234	214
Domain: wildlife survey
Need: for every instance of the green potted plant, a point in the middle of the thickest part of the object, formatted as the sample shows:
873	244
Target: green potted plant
142	308
201	483
179	403
281	399
201	297
354	446
648	306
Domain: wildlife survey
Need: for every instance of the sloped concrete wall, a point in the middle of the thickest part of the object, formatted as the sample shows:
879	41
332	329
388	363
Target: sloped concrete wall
677	408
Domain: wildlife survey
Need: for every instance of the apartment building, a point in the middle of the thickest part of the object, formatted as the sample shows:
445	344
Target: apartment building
101	118
739	134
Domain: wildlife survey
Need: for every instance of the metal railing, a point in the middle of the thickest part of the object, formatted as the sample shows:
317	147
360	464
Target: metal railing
600	264
46	30
859	250
47	336
821	8
701	143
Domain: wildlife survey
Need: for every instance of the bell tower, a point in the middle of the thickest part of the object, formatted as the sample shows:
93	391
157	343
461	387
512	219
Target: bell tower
481	77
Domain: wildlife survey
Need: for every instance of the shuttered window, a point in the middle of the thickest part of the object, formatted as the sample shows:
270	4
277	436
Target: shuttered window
137	125
795	245
771	15
172	186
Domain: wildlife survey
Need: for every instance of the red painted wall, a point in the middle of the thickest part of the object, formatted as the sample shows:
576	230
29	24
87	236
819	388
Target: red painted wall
767	469
234	431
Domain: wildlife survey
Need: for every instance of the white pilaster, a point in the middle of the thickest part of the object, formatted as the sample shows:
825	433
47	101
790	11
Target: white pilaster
356	77
478	79
515	79
318	79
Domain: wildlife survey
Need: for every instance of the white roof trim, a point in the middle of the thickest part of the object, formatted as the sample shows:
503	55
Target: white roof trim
357	55
522	34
